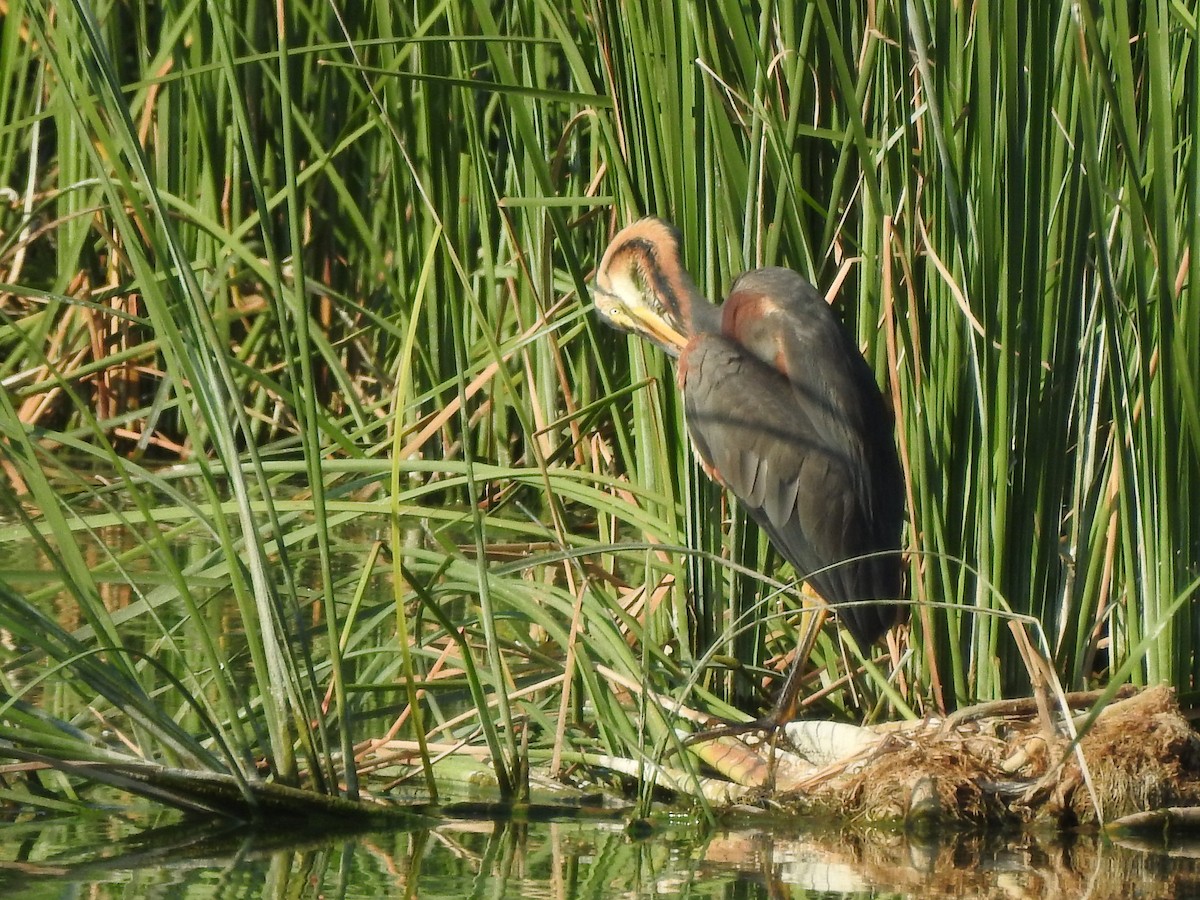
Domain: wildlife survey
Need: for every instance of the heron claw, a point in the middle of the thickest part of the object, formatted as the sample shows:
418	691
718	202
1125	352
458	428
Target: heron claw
765	724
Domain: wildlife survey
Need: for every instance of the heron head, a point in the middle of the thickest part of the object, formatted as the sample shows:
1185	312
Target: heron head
641	286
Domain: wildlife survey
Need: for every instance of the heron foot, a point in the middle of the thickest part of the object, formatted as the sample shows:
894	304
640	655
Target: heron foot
765	724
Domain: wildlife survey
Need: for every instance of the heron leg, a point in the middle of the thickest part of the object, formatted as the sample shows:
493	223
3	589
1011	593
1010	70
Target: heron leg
788	703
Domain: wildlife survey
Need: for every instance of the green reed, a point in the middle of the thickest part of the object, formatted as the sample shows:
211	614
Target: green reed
312	301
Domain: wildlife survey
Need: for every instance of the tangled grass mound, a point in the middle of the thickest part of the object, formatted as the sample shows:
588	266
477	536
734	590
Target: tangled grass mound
1006	763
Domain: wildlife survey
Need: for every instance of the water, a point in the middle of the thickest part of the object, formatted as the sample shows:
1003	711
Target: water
140	851
157	855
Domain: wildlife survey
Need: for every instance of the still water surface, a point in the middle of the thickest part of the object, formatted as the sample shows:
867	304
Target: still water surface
147	853
158	856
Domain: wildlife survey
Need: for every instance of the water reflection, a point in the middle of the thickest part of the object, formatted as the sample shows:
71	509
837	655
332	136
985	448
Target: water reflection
567	859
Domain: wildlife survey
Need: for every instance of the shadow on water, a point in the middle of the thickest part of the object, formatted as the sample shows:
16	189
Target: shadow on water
568	859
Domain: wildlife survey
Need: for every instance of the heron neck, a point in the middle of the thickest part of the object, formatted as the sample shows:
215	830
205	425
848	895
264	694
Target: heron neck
692	311
705	316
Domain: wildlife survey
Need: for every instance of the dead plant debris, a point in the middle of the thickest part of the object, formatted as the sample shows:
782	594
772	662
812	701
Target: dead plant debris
1005	765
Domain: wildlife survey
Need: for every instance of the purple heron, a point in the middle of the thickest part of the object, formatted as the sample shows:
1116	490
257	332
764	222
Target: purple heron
783	411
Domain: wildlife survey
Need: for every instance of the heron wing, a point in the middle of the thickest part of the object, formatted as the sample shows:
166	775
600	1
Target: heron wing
787	453
827	373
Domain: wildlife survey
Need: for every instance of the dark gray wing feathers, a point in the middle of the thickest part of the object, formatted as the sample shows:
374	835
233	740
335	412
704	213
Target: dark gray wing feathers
800	458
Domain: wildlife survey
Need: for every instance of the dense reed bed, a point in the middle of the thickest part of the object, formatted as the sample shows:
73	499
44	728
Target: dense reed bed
317	465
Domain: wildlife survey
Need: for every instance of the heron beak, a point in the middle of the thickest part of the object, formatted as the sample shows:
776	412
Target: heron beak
638	318
658	329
